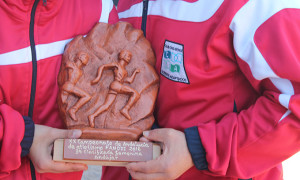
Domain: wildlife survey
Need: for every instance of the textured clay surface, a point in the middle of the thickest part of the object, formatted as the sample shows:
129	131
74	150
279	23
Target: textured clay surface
108	84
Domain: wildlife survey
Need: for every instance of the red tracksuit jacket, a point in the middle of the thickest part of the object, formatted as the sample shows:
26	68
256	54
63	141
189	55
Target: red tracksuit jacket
53	26
229	77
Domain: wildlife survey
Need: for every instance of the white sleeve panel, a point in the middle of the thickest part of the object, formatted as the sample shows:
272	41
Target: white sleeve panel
244	26
198	11
107	6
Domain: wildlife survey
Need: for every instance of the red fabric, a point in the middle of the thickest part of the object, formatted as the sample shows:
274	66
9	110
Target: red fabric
58	21
254	141
10	159
114	173
279	42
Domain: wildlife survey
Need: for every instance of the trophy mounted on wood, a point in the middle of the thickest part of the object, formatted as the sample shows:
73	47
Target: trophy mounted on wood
107	88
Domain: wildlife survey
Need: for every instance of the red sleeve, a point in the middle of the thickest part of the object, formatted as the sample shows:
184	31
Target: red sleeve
124	5
108	12
113	16
11	135
245	144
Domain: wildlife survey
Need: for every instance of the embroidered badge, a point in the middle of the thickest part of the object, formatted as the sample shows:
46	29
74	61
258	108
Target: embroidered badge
172	64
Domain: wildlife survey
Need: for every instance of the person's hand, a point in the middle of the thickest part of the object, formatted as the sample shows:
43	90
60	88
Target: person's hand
41	150
174	161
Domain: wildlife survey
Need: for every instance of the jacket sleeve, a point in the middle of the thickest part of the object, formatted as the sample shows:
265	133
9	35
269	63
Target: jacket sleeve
12	129
113	16
249	142
108	13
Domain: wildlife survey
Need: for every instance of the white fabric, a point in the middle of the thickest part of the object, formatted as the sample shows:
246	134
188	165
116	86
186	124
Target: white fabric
198	11
107	6
16	57
244	25
43	51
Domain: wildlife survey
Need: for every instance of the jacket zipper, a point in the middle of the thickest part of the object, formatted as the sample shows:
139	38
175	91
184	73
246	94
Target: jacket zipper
34	71
144	16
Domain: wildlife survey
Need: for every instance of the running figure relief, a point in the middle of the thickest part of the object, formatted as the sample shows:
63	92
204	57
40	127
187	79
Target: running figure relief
117	86
108	84
74	69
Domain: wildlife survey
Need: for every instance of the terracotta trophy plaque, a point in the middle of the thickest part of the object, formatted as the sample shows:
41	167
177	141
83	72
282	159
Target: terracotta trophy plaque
107	88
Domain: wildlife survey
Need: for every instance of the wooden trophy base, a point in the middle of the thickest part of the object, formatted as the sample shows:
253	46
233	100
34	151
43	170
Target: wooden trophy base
104	152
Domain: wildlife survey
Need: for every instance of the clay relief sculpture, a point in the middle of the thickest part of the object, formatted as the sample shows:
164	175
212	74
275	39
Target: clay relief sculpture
108	84
74	73
117	86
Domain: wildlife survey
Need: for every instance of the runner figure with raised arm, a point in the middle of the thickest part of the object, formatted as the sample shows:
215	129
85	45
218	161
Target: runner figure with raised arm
117	86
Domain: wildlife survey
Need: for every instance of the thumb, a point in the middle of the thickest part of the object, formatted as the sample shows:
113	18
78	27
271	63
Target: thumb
74	134
158	135
70	134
